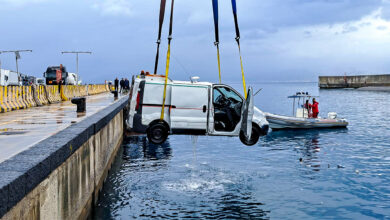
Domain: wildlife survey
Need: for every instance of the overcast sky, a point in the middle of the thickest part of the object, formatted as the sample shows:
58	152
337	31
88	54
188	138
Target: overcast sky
282	40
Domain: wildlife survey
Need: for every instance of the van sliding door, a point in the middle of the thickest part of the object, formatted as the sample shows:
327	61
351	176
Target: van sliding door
189	109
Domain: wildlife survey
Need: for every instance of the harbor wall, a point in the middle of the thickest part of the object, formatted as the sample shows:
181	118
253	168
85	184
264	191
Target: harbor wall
332	82
60	177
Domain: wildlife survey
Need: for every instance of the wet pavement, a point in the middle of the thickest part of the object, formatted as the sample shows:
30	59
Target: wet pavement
21	129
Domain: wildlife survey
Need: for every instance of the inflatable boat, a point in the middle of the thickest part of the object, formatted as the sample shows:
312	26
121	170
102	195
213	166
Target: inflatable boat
301	119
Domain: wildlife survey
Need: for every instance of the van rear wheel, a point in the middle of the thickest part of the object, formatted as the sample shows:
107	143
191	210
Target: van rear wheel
157	133
254	137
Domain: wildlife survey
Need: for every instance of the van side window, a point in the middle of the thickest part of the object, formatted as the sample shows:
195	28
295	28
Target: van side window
217	95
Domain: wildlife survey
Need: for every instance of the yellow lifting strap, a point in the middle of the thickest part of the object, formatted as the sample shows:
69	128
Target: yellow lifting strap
242	73
166	81
168	59
219	64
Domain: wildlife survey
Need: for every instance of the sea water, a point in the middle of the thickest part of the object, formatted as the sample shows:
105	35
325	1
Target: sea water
312	174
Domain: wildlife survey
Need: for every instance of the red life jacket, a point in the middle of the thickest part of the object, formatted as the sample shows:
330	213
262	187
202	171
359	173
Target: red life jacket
314	107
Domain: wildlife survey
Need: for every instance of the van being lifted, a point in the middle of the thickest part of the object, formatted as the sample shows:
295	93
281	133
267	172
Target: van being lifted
193	108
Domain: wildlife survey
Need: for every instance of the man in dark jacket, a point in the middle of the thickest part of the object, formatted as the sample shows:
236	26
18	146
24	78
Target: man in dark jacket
116	82
127	84
122	84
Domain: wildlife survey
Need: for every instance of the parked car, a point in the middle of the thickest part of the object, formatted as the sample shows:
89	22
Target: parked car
192	108
40	81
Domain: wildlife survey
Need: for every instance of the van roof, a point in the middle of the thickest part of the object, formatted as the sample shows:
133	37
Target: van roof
161	79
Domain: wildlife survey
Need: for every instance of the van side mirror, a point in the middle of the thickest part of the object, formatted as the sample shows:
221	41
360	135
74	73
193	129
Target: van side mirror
44	74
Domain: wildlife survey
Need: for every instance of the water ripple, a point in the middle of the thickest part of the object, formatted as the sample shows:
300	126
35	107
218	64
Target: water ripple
329	173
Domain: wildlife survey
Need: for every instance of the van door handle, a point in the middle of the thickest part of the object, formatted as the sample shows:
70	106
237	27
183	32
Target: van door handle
204	108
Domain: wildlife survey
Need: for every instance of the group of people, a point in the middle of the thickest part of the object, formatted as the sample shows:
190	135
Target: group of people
124	84
312	109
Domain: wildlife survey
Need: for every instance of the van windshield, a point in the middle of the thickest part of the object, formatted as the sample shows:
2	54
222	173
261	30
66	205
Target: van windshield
227	93
227	108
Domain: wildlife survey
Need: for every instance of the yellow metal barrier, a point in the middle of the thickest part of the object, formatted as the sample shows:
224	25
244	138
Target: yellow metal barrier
30	97
3	100
22	97
53	95
19	97
11	98
42	95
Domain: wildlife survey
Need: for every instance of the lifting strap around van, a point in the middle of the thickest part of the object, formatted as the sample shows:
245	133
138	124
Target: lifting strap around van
161	21
234	6
216	26
168	59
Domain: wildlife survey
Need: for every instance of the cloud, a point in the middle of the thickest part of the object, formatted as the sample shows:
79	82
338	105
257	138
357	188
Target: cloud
281	39
114	7
349	28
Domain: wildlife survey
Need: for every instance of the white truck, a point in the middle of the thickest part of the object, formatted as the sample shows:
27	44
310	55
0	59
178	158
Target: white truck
10	78
193	108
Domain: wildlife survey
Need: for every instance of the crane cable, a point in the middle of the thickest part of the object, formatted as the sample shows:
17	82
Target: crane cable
168	59
216	43
234	7
161	21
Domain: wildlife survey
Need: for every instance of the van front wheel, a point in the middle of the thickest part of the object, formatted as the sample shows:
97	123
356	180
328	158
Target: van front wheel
254	137
157	133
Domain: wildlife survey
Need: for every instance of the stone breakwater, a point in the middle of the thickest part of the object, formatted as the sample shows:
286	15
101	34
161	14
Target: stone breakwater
334	82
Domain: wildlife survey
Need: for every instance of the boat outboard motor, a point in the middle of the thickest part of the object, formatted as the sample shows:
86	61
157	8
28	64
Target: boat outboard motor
332	115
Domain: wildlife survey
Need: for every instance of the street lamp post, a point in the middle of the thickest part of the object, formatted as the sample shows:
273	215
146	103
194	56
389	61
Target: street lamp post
77	58
17	56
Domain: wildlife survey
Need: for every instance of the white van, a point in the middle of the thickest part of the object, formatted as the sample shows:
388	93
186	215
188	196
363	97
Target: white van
193	108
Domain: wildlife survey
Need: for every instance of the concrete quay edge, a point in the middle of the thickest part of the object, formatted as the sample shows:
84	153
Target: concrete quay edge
20	174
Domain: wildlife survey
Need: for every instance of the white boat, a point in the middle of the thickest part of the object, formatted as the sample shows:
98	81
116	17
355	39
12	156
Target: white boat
301	119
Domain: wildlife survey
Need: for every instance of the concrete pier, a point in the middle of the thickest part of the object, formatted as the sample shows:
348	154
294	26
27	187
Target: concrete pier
19	130
334	82
57	165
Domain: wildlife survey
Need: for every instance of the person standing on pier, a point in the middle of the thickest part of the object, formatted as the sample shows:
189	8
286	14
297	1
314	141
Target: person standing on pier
116	83
127	84
122	84
314	108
